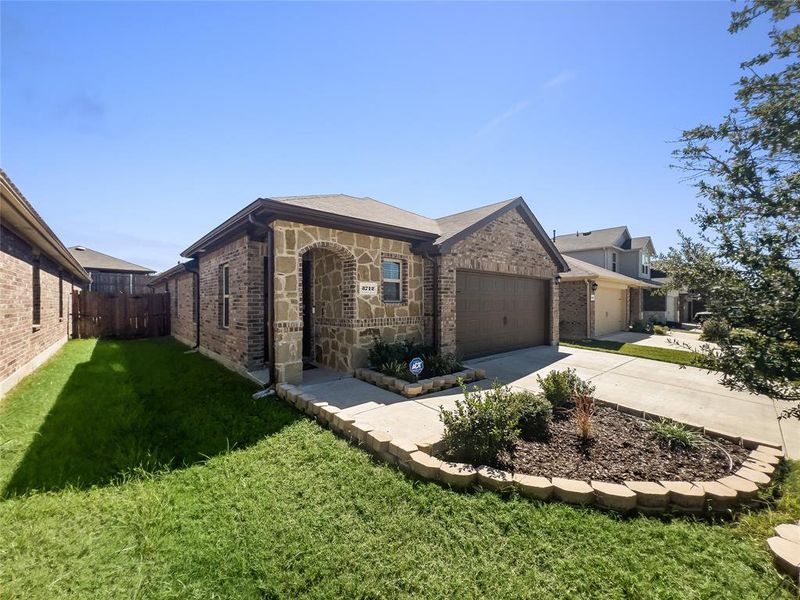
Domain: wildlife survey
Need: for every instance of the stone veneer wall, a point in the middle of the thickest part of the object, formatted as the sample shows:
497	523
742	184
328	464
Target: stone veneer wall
24	347
506	245
349	336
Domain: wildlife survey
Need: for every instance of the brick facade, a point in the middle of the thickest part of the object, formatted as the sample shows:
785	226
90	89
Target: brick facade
345	322
505	245
23	344
635	304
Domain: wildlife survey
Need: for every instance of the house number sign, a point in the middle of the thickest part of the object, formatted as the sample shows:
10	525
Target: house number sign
367	289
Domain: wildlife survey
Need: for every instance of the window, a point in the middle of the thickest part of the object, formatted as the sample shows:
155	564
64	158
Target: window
645	264
225	281
37	293
614	261
392	272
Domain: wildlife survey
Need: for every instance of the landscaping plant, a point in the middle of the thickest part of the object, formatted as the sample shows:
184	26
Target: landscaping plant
675	434
392	358
535	413
746	170
660	329
582	414
715	329
558	387
482	426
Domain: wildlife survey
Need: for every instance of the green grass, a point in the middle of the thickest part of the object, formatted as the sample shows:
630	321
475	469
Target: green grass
298	512
679	357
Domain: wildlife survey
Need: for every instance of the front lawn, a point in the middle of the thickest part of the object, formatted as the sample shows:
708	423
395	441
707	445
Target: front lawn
284	509
679	357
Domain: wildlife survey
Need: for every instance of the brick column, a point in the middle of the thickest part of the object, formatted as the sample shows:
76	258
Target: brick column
555	297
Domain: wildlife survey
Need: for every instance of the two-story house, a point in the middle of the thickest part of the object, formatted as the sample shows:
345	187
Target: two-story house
603	292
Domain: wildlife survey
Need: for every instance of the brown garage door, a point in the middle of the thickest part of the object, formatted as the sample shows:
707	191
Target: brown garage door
496	313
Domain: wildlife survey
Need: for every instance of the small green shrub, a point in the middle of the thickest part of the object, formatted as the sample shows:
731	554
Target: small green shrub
397	369
660	329
392	358
535	413
482	426
715	330
559	387
440	364
675	434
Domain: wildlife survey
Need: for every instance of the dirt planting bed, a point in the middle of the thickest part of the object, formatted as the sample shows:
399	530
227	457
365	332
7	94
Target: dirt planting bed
623	447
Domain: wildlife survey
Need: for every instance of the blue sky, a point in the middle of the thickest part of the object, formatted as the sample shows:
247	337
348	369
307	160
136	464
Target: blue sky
135	128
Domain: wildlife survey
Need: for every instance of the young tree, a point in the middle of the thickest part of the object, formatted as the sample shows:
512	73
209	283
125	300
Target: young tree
747	174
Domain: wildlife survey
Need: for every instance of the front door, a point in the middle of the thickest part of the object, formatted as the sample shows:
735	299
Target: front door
308	310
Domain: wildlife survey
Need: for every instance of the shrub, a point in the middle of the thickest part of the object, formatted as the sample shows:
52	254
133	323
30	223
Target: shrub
440	364
660	329
535	413
559	387
482	426
392	358
640	326
583	413
715	330
675	434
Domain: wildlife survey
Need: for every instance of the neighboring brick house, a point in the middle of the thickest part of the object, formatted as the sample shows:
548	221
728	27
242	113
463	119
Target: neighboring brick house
288	281
37	276
111	275
614	303
596	301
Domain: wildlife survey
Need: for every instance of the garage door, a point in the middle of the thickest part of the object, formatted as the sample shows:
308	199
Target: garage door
609	310
496	313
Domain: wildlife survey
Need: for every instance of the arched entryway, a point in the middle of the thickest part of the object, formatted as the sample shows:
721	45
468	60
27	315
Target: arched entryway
327	303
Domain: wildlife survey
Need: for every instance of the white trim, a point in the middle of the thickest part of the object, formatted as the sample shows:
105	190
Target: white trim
37	361
398	281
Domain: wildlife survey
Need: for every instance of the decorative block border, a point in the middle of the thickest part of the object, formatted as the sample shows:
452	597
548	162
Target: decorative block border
411	389
785	548
648	497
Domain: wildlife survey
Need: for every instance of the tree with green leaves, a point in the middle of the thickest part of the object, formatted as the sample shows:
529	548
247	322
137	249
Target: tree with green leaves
745	263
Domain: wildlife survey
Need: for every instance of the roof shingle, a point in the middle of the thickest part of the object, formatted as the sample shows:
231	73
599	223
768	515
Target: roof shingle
92	259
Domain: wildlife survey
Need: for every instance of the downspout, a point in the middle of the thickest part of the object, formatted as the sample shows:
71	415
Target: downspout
195	271
269	296
435	266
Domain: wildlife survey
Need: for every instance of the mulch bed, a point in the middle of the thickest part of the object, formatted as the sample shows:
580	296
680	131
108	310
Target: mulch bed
623	447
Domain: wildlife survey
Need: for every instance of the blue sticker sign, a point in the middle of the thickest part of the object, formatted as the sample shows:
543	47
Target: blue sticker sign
416	365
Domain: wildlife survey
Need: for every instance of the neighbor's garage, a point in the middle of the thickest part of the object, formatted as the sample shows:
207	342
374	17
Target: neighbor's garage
609	309
497	313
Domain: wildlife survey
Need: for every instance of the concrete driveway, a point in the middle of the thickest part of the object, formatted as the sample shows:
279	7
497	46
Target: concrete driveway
686	394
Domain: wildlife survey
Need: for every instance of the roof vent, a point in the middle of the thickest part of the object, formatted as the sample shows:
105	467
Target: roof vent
80	248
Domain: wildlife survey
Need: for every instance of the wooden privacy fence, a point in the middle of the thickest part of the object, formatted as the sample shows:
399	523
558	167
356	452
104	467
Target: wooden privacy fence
103	315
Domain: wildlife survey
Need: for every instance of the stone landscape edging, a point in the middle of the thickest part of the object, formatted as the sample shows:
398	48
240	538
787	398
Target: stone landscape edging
411	389
647	497
785	548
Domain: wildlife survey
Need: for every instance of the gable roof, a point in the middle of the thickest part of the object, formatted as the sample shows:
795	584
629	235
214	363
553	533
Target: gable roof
365	208
588	240
19	216
638	243
579	269
92	259
460	225
364	214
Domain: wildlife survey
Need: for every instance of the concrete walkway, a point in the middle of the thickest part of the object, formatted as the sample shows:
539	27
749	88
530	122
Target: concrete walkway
686	394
